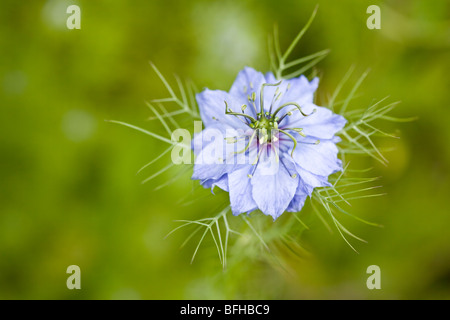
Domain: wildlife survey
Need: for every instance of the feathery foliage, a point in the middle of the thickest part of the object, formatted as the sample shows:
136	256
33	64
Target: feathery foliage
326	202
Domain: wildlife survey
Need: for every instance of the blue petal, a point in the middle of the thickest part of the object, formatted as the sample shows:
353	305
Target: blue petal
211	104
303	191
297	203
216	130
270	77
247	81
273	187
199	141
298	90
222	183
241	191
323	123
208	164
320	159
217	157
309	181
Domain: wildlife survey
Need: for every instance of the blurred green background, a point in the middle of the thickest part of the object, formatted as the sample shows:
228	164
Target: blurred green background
69	193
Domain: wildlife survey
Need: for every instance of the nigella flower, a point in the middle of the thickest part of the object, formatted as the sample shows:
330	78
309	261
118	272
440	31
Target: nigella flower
266	142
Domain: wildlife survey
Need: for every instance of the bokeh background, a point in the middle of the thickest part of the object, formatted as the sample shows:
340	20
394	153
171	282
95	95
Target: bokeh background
69	193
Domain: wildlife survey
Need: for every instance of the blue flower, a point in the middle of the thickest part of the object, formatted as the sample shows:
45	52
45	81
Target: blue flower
266	142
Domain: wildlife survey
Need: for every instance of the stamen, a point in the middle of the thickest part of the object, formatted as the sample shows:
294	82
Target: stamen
265	136
312	143
276	96
261	94
231	139
234	139
257	158
285	115
230	112
254	106
251	99
293	175
256	162
253	172
298	130
293	140
249	142
295	105
243	107
276	153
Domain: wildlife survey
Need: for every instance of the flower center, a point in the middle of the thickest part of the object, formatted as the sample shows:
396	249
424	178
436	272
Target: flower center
265	126
267	123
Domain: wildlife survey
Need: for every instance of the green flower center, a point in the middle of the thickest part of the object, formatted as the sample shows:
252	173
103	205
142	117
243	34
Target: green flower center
267	123
265	126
